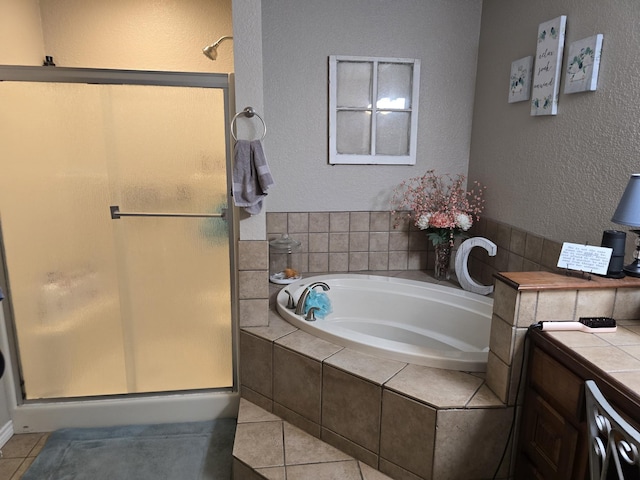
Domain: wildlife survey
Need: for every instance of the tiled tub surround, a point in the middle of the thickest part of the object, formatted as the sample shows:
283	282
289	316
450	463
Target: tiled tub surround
408	421
360	241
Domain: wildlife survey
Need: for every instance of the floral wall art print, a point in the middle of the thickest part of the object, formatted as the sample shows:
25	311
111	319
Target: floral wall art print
520	80
583	63
548	65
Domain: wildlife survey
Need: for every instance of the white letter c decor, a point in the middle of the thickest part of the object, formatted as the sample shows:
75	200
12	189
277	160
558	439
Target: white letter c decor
462	260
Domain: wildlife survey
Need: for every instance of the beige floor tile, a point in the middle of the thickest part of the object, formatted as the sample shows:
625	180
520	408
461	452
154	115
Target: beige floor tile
325	471
9	466
300	447
20	446
273	473
259	444
22	469
369	473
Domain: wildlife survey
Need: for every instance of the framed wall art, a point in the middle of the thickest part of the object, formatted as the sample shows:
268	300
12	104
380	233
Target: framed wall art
548	66
520	80
583	63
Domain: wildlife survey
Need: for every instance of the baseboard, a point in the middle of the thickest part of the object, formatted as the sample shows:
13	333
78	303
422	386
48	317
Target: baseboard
6	432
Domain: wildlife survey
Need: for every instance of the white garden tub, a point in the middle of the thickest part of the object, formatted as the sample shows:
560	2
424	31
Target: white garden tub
399	319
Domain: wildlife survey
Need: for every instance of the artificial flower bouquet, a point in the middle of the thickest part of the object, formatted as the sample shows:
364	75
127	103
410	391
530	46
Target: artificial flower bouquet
439	204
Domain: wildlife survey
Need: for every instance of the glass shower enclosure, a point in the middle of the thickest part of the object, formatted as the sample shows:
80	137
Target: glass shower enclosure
115	230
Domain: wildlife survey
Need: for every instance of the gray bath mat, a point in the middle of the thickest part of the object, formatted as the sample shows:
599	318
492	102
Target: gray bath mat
180	451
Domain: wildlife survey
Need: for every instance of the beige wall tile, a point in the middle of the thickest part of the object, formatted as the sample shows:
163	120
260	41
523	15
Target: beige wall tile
338	242
276	223
533	248
297	383
556	305
298	222
358	261
359	222
397	472
318	242
359	242
338	221
318	262
627	304
253	284
481	431
550	254
503	236
379	260
595	303
504	301
256	364
253	312
526	308
380	221
502	339
407	434
398	240
338	262
498	374
379	241
296	419
351	407
253	255
398	260
518	242
318	222
350	448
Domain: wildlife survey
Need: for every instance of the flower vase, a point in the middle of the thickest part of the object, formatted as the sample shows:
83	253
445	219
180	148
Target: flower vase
443	261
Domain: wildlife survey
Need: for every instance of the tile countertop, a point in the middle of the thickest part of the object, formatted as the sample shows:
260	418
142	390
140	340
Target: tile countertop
616	354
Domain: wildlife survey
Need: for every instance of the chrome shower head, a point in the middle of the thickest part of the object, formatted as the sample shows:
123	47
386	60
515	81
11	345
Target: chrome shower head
211	51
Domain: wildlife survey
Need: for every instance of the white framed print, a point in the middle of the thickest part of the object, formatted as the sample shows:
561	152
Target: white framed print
583	63
548	66
520	80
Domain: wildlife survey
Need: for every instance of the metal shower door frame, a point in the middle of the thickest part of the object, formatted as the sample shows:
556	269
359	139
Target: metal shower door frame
48	74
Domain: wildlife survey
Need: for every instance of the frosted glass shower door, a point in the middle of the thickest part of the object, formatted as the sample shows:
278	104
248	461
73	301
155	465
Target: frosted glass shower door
106	306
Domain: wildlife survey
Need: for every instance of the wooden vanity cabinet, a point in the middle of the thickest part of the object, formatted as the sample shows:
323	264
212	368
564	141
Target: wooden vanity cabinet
553	441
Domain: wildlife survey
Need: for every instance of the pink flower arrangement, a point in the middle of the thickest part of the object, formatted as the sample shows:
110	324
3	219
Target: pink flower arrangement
439	204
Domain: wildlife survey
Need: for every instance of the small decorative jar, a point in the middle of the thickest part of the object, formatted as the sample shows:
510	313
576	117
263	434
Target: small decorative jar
282	268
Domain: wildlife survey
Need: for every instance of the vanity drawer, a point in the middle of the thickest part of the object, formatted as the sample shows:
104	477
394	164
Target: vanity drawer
560	387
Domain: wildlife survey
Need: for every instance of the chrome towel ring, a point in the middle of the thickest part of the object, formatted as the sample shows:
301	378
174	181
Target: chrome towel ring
248	112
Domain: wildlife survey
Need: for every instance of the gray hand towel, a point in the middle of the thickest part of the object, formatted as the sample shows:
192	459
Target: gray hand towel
251	176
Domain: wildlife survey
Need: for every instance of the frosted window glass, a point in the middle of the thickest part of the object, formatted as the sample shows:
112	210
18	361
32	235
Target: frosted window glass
353	133
392	133
394	85
354	84
106	306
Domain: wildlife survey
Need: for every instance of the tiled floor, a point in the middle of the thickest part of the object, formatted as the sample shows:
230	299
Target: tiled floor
19	452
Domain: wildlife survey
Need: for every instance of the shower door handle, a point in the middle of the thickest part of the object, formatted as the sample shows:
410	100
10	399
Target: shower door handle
116	214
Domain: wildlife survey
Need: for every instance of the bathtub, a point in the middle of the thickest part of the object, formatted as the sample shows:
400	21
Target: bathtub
399	319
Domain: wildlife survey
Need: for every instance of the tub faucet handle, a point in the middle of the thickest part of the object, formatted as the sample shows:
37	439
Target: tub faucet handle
305	293
311	315
291	304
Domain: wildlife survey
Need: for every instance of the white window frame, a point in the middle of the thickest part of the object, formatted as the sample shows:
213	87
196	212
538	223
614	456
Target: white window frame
372	158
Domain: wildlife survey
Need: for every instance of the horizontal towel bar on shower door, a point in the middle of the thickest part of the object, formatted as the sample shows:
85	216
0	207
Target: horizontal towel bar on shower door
116	214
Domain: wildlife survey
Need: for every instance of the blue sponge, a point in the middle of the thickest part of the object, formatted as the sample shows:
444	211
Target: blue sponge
319	300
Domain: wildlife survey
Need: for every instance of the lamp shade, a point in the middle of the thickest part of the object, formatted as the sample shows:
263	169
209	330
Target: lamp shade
628	211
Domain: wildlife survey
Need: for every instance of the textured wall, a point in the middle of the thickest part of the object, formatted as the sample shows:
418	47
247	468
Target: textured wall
21	40
137	34
560	177
299	36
